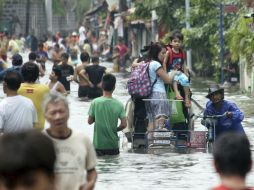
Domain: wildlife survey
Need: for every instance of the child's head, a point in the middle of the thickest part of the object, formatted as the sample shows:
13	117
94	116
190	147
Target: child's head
176	40
108	82
232	155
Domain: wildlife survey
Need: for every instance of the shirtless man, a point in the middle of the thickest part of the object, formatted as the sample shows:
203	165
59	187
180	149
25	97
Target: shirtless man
83	81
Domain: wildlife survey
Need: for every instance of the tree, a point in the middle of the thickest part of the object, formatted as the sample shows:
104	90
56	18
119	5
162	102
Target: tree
203	37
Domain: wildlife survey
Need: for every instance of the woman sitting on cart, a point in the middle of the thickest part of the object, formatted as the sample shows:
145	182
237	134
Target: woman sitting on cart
157	103
218	106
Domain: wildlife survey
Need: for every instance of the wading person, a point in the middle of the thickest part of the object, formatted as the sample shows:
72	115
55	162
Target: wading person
83	81
27	161
95	73
232	161
35	92
231	122
17	62
67	72
17	113
54	84
76	158
105	112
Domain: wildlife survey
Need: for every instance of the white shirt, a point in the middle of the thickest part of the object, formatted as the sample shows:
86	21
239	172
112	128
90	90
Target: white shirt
82	35
17	113
75	156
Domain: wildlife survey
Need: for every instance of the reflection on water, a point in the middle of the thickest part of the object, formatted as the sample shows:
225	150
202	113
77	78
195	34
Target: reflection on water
157	169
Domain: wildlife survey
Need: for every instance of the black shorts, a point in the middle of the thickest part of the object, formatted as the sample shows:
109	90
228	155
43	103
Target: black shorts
94	93
83	91
104	152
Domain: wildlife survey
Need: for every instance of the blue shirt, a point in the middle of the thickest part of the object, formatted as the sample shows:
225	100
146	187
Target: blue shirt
226	124
159	85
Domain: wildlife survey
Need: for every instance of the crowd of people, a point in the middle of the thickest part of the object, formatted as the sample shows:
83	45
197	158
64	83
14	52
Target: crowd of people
61	154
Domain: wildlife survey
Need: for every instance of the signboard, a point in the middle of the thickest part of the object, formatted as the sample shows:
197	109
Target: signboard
198	139
231	8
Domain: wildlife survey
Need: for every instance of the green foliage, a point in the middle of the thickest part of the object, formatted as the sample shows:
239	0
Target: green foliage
203	38
241	40
169	11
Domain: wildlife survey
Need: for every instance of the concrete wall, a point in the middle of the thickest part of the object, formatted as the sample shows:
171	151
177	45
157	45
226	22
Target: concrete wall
14	11
246	77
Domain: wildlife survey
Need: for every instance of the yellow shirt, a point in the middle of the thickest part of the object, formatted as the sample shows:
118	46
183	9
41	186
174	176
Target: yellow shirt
36	93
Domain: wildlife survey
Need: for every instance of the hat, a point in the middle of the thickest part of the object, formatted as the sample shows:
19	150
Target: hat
74	34
214	88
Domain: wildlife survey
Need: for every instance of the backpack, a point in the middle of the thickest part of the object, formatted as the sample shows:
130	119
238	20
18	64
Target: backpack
139	84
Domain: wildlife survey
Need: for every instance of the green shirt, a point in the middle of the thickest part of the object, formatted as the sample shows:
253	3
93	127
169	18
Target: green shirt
106	112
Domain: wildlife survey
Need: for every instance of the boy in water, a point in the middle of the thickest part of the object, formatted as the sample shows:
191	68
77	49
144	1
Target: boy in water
232	161
175	60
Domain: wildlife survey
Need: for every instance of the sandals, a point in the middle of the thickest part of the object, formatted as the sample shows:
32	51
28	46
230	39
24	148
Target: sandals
178	97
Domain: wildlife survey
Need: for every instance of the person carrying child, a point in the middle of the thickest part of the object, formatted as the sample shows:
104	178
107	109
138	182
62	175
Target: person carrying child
175	60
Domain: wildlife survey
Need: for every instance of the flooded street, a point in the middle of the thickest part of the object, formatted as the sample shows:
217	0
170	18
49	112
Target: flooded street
139	171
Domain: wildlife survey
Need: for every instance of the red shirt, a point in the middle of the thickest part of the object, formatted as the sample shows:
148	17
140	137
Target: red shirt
221	187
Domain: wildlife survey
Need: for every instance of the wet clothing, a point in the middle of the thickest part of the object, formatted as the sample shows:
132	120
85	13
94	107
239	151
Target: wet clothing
94	92
75	154
106	112
221	187
95	73
36	93
225	124
17	113
66	71
83	91
107	152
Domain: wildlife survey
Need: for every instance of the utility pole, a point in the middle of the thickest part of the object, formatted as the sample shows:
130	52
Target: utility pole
221	41
27	16
187	23
48	8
